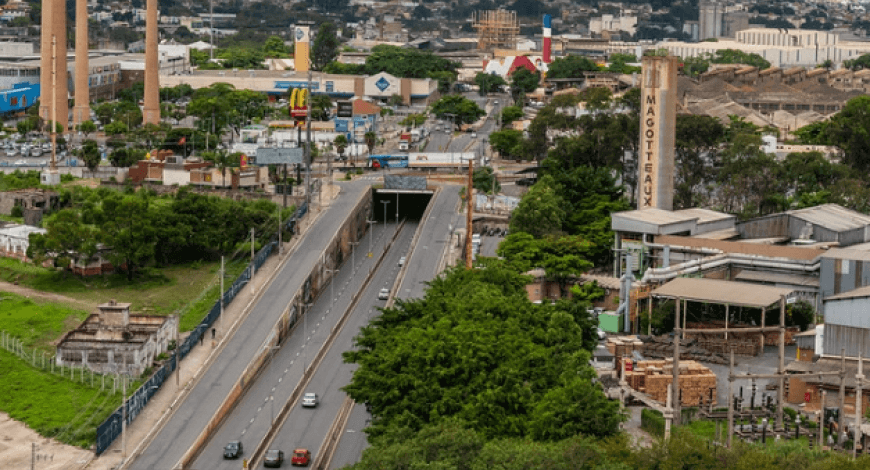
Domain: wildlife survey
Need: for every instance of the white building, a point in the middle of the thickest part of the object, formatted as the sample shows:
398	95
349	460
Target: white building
779	47
611	23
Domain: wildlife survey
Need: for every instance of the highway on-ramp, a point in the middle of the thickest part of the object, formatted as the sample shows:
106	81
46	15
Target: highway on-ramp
181	430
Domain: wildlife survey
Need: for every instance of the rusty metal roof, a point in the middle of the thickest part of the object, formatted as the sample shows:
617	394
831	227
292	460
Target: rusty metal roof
721	292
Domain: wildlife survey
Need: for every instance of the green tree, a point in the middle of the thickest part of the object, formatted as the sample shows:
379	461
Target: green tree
483	179
324	49
541	210
86	127
341	144
66	236
850	131
596	98
275	48
457	109
510	114
619	63
571	66
371	140
474	348
506	142
406	63
127	229
696	156
445	78
321	107
694	66
90	154
488	83
522	82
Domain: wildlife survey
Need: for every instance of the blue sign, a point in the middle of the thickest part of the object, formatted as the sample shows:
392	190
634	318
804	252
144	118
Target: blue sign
341	125
288	84
382	84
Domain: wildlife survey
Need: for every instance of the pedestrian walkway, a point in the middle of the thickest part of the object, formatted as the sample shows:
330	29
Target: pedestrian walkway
173	391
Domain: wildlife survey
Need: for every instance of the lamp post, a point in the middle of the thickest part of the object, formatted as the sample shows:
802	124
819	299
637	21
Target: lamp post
305	338
385	212
353	257
371	229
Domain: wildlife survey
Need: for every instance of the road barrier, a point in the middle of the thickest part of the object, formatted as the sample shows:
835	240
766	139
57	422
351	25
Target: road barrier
110	429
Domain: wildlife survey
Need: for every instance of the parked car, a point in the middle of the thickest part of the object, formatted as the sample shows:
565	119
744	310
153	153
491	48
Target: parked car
301	457
310	400
273	458
384	294
233	450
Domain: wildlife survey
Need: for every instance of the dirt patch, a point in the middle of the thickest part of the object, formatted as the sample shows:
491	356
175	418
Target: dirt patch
17	450
47	296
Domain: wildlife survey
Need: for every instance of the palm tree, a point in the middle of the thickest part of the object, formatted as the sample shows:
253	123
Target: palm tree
340	144
371	140
222	160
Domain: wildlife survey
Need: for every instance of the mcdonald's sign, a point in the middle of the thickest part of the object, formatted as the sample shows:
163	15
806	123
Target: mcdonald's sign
299	103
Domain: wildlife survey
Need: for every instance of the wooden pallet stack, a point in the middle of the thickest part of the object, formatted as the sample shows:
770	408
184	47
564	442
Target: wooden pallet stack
654	378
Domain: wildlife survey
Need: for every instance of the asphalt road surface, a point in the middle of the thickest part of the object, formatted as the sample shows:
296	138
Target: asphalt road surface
251	419
307	427
179	433
422	267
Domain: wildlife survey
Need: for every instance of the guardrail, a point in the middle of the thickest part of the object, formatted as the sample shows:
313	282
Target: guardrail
257	455
110	429
285	323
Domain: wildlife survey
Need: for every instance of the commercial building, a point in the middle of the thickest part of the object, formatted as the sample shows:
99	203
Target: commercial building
378	87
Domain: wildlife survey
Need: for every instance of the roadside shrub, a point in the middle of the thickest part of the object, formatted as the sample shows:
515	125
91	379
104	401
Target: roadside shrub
652	421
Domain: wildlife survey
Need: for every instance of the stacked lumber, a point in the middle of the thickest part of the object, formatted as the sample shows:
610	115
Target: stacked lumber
654	377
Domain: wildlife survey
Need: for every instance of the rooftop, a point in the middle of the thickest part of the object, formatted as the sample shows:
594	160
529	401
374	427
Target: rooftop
721	292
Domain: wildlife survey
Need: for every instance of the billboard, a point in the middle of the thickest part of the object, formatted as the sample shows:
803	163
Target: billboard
280	156
345	109
298	103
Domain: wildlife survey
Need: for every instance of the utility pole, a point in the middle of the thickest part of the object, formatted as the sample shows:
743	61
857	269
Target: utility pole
308	142
469	193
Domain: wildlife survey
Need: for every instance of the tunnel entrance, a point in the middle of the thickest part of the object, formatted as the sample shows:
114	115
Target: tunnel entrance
399	204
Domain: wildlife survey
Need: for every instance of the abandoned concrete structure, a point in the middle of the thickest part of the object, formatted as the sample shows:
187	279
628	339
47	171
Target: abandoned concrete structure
115	342
28	199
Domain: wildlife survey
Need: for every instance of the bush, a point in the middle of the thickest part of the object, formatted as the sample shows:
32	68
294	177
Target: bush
652	421
17	211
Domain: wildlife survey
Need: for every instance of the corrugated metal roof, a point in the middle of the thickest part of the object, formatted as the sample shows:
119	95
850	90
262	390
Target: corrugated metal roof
606	282
655	216
847	253
705	215
852	294
793	279
721	292
725	234
768	251
833	217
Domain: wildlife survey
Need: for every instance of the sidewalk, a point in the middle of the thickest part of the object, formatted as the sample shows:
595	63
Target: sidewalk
173	391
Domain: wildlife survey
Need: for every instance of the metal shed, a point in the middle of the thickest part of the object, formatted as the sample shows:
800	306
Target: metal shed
847	322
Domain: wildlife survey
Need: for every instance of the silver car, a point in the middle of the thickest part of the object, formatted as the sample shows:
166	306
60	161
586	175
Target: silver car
310	400
384	294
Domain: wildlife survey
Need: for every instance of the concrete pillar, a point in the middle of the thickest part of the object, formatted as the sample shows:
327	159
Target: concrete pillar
81	111
53	24
151	111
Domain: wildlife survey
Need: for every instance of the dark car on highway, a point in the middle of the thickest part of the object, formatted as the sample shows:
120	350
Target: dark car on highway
233	450
273	458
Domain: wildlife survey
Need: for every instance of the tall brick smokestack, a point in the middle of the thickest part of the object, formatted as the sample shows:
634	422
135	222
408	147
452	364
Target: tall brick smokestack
53	24
82	109
547	45
151	111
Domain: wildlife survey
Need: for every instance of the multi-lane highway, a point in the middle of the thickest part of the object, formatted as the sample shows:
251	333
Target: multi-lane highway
179	433
251	419
422	267
307	427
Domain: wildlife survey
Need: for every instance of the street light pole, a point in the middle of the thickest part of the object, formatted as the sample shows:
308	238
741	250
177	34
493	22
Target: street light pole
353	257
371	229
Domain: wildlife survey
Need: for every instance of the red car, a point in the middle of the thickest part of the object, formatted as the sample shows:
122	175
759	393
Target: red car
301	457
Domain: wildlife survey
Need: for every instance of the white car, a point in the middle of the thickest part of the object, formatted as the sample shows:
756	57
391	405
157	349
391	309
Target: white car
474	135
309	400
401	261
384	294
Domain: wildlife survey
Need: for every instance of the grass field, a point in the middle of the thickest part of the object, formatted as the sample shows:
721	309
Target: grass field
51	405
36	324
187	289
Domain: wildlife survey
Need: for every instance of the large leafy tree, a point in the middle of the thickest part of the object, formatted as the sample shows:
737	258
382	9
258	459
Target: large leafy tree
90	154
488	83
541	211
324	49
524	81
850	130
457	109
506	142
571	66
696	156
476	349
406	63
